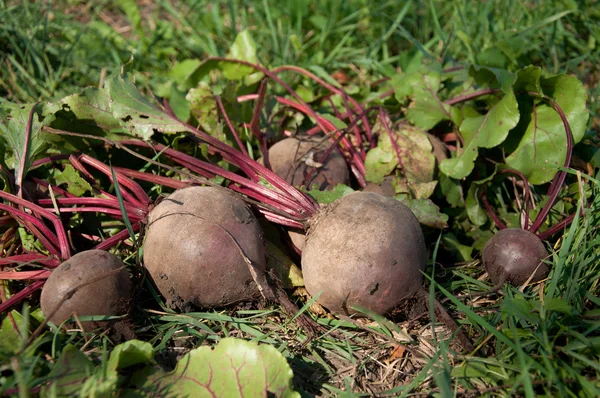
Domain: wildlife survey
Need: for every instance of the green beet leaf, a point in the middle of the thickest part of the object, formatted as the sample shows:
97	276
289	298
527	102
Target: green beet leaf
378	164
203	107
414	159
233	368
483	131
76	184
68	373
135	113
427	212
244	49
493	77
543	145
92	104
14	129
425	109
330	196
130	353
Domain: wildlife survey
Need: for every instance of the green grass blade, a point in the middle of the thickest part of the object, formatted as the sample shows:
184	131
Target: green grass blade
122	207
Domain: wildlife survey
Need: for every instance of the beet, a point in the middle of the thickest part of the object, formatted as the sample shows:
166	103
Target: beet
364	249
513	255
288	160
190	256
92	294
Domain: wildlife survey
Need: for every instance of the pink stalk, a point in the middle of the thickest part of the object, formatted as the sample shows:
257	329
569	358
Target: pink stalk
18	297
74	159
98	209
47	237
63	243
357	134
238	159
141	199
156	179
116	238
329	87
490	211
329	128
559	178
255	190
247	97
383	118
24	275
255	123
556	228
470	96
30	257
98	202
4	220
55	189
49	159
230	126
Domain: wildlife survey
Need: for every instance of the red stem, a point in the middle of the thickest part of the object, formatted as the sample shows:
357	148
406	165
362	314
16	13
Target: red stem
392	136
255	123
18	297
556	228
29	258
106	203
328	128
142	200
490	211
24	275
116	238
63	243
470	96
230	126
156	179
322	83
256	190
36	227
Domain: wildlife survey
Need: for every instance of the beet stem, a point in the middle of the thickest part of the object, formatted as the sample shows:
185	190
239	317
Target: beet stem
490	210
230	126
18	297
559	178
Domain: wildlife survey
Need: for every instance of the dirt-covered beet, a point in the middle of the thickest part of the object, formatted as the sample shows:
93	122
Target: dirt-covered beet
190	251
386	188
364	249
293	159
92	282
513	255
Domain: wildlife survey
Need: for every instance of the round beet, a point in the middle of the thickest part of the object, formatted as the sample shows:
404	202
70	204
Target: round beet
513	255
92	282
293	159
364	249
191	257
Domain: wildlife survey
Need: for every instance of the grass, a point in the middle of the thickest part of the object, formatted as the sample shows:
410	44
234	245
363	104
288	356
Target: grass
543	340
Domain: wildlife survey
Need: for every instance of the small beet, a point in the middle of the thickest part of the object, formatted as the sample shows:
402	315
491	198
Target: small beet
77	286
292	159
190	251
513	255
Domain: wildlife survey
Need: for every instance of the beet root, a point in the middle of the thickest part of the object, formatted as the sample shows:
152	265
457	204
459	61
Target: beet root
513	255
291	160
190	255
364	249
92	282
